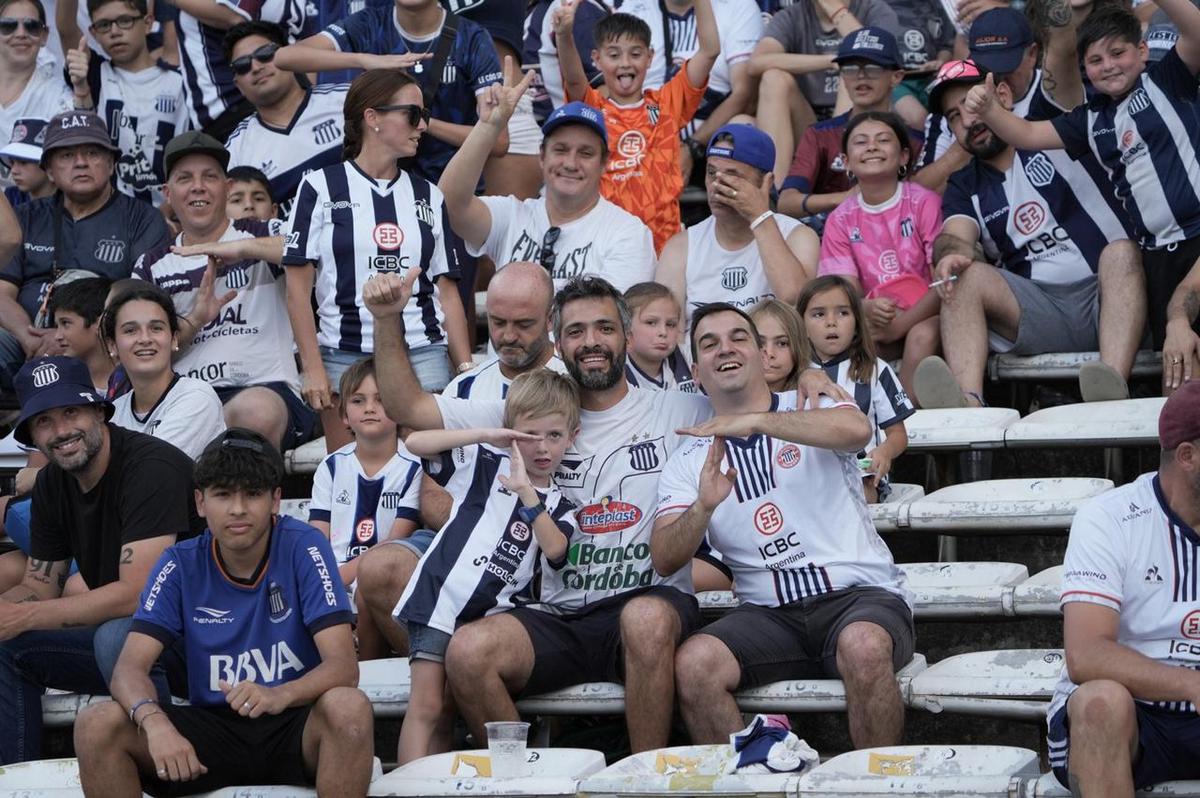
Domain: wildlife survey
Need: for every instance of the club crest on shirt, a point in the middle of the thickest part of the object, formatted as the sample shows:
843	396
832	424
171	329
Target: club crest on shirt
277	604
423	212
1039	170
643	456
734	278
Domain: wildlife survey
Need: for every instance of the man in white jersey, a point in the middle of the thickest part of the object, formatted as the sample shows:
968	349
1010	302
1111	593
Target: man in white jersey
1067	278
743	253
296	128
571	230
821	595
140	99
605	615
518	316
1123	715
240	342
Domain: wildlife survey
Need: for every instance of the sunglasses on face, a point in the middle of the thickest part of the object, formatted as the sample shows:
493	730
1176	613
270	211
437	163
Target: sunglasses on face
105	25
32	25
416	113
263	55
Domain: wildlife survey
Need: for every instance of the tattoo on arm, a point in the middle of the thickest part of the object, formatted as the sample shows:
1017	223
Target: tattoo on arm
127	555
1057	13
39	570
1191	304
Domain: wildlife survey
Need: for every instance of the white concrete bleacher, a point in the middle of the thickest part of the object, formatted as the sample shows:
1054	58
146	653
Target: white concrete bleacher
1039	594
998	506
686	770
958	429
1013	683
1126	422
981	771
549	772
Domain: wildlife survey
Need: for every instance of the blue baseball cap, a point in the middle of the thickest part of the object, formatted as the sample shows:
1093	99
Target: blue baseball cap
46	383
999	38
745	144
576	113
25	144
870	44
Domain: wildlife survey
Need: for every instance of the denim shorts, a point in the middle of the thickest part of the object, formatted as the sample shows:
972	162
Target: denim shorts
418	542
427	643
430	363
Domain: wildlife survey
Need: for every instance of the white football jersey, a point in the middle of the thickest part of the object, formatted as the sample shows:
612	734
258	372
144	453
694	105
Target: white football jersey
487	381
812	531
187	416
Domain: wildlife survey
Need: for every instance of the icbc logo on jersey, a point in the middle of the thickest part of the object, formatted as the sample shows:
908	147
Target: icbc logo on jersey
1190	628
788	456
768	519
1029	217
388	236
364	530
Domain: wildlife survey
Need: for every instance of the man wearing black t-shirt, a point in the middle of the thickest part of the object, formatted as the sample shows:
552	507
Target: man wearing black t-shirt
112	500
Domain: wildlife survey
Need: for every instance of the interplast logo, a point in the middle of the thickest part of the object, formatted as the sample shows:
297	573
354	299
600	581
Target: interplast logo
606	516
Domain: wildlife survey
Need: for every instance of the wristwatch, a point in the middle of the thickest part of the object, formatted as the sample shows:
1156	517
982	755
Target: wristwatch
528	514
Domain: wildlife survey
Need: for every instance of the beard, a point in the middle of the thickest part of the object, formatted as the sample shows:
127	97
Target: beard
518	357
593	380
990	148
93	441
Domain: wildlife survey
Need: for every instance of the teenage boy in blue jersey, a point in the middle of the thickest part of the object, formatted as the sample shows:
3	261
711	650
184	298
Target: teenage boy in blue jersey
1141	125
271	667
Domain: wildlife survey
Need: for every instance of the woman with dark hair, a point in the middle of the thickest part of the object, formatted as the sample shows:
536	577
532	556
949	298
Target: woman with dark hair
368	216
881	240
141	330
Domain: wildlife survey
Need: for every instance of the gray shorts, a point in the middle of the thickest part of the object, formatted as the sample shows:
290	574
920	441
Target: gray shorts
1055	317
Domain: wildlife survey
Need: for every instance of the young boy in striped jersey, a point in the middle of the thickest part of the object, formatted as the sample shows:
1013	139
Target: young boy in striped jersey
484	559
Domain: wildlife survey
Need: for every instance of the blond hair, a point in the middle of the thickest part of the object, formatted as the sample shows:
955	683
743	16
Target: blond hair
540	393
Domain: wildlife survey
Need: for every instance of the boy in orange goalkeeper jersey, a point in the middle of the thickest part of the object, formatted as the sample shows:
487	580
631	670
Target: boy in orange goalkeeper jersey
643	174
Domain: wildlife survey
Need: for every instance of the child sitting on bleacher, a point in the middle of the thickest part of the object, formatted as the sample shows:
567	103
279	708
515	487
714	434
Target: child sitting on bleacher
365	492
834	340
778	326
484	559
654	360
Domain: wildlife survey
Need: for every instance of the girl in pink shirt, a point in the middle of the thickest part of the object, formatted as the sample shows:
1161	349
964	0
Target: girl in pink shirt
881	240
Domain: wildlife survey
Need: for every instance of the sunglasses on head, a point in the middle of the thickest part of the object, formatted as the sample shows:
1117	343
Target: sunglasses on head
33	26
416	113
263	55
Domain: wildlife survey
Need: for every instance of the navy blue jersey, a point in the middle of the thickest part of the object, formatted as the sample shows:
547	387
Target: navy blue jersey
1044	219
471	67
1147	143
502	19
232	631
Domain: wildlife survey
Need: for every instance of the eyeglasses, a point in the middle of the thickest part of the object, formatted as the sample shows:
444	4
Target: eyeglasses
263	55
868	71
33	26
416	113
123	22
546	259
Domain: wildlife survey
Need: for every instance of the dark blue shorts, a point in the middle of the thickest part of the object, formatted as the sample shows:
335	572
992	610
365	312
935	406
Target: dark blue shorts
1168	746
302	419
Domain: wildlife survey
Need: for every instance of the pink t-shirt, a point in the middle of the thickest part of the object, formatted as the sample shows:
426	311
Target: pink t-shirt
881	243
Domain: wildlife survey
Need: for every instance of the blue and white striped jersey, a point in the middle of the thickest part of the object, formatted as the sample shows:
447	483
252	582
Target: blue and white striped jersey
208	78
359	509
1147	143
673	375
882	400
1044	219
484	559
812	533
471	67
353	227
487	381
312	140
1129	552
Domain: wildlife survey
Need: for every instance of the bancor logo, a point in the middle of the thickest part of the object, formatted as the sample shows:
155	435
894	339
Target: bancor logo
607	516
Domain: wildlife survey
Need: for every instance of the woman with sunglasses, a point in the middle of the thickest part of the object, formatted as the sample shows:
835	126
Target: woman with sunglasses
26	90
368	216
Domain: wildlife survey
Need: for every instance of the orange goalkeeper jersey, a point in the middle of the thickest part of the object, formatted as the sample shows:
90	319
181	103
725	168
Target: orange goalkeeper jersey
643	167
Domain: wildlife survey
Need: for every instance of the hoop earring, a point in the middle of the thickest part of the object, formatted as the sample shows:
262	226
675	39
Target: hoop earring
902	171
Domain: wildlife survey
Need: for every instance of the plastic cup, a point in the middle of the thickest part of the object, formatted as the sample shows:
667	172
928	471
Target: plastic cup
506	748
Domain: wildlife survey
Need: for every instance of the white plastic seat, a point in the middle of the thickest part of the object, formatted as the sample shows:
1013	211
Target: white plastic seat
1128	422
1062	365
814	695
1014	683
1039	594
12	456
974	770
1004	505
386	683
551	771
305	458
886	514
961	589
1046	786
296	508
59	709
958	429
687	770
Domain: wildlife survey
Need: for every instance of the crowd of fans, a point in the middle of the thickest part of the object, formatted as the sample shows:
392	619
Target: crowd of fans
230	226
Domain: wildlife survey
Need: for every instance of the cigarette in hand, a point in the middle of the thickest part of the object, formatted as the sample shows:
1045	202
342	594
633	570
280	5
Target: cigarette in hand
949	279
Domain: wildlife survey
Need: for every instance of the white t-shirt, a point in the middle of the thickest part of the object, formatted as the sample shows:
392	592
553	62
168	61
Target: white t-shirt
716	274
813	533
611	473
250	342
45	95
360	510
187	416
1130	553
607	241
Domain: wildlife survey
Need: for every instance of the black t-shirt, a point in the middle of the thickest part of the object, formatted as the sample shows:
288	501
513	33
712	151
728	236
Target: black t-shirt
107	242
145	492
